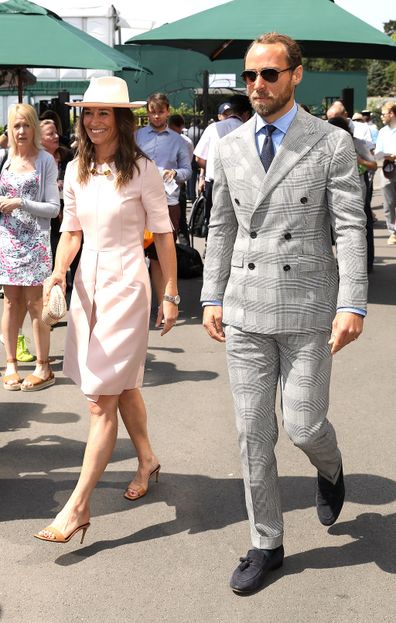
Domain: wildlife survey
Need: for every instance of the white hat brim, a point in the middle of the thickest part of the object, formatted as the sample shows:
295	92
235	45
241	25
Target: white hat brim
103	104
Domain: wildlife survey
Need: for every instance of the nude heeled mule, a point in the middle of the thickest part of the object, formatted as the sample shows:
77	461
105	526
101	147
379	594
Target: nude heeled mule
140	490
53	535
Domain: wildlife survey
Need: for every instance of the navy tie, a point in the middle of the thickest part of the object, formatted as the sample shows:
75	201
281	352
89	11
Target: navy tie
267	152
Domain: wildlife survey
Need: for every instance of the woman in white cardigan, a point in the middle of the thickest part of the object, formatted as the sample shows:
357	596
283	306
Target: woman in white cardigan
29	198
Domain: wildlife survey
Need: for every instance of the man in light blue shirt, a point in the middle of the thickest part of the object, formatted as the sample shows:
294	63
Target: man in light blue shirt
171	155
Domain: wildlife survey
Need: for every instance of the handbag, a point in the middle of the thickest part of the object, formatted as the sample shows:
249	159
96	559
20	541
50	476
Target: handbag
197	224
56	306
189	262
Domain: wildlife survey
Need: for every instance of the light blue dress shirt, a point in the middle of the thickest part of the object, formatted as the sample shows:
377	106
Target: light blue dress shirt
169	151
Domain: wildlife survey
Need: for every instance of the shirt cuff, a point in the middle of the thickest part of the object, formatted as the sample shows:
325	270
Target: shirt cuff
205	303
353	310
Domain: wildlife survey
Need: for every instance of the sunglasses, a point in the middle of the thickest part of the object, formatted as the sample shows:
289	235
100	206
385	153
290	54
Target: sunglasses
269	75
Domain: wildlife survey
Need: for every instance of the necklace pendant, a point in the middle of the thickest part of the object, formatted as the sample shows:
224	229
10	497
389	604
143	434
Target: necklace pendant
94	171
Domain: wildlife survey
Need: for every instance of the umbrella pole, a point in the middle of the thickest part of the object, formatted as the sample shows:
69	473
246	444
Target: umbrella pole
205	97
20	85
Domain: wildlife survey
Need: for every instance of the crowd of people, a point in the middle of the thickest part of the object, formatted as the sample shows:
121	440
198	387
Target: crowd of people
282	188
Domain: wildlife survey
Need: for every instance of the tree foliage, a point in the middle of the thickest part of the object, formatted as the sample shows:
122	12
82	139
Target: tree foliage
381	75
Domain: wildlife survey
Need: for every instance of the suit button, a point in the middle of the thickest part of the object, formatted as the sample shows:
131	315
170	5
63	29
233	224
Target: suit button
237	201
303	200
288	236
251	266
286	268
253	234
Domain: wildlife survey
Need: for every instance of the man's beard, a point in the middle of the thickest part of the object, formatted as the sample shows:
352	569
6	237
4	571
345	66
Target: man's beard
272	105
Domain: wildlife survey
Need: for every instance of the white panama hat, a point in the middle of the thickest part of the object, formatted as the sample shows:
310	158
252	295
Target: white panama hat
108	91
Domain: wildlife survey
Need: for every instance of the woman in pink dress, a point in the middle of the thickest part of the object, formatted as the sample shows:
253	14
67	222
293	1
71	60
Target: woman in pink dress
112	192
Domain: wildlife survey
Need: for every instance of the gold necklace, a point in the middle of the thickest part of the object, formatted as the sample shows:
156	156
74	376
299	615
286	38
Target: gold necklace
94	171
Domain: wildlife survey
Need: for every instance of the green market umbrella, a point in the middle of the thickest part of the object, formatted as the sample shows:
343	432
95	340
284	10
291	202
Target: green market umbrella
32	36
322	28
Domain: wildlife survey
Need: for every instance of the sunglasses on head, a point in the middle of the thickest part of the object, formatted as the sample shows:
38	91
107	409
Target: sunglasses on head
269	75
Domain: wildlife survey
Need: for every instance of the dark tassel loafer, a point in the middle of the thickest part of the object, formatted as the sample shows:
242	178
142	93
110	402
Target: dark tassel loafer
329	499
251	573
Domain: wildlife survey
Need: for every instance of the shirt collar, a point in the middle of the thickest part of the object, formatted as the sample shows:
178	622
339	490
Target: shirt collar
151	129
282	124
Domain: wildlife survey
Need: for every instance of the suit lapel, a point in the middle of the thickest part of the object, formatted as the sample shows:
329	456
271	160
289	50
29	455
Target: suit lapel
246	144
301	136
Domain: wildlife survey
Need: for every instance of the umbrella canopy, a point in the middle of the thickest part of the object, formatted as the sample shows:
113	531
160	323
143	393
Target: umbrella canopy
32	36
322	28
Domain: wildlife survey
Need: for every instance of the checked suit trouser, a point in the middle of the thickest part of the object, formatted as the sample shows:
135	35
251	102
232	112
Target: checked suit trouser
302	365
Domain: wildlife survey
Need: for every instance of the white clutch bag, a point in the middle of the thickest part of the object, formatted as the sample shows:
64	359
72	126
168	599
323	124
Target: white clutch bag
56	306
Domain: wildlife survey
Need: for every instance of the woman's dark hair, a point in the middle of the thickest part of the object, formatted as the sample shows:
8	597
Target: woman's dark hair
126	157
341	122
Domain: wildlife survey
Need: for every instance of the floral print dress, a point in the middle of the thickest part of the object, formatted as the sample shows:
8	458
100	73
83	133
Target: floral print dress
25	251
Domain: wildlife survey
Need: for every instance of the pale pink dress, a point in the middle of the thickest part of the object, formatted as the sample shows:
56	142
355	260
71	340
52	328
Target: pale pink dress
106	341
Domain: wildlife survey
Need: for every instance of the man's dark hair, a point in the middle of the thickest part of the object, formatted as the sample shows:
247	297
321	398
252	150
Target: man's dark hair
158	99
176	120
292	48
240	104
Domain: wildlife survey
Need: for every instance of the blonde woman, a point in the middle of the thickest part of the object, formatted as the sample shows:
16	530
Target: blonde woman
29	198
112	192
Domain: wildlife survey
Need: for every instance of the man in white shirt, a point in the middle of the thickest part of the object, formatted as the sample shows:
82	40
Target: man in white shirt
386	150
239	110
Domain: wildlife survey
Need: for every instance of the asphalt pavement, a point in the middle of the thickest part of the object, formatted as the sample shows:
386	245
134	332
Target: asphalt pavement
168	556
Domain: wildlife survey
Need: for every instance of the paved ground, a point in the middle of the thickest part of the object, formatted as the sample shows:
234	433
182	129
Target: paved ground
168	557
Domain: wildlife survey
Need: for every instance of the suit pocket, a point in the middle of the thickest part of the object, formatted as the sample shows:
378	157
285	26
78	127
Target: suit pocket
312	263
237	259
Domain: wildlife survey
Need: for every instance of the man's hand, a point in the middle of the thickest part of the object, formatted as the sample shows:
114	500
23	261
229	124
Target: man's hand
212	321
346	328
168	175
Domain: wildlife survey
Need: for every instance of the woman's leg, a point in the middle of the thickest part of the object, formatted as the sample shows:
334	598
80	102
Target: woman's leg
101	440
9	326
133	413
41	331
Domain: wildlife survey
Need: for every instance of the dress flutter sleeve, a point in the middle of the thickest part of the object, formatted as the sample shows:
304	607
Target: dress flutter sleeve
154	198
70	220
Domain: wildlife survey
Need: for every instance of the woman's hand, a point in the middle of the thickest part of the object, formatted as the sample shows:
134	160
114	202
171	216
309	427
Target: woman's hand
9	204
56	278
167	314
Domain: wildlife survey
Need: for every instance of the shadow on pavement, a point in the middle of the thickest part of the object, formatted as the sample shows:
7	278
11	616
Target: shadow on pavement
165	373
374	536
381	283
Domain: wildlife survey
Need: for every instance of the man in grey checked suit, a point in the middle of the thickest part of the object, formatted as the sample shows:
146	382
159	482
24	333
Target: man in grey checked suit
283	180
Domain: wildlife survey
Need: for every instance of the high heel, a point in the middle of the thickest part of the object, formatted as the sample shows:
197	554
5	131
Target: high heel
53	535
12	387
140	490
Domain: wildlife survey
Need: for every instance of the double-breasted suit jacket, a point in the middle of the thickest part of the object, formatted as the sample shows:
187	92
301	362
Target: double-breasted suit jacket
270	259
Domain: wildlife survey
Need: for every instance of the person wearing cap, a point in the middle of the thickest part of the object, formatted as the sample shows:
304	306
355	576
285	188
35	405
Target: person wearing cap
112	192
236	111
223	111
367	118
386	150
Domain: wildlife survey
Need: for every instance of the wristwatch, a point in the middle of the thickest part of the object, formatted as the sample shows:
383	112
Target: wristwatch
172	299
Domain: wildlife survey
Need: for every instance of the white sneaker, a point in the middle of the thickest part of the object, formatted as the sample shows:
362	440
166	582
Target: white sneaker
1	339
392	239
